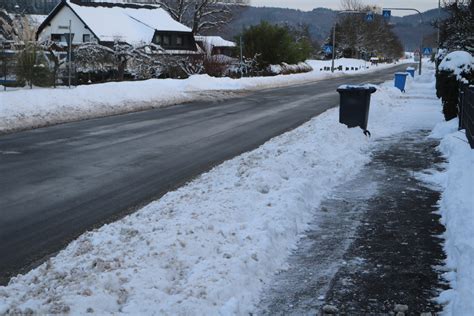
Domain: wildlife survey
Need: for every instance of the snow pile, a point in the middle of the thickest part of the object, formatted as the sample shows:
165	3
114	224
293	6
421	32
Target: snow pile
27	108
459	62
457	210
210	246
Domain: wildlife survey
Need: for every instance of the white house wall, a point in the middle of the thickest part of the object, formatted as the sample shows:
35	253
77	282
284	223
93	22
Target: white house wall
60	25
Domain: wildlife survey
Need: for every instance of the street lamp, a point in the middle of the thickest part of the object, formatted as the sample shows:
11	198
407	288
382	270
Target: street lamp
422	22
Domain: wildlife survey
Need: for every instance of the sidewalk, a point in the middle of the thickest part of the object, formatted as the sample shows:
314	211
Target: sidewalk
379	245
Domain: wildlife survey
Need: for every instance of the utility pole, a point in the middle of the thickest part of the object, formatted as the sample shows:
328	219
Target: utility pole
333	46
422	38
439	21
70	56
241	58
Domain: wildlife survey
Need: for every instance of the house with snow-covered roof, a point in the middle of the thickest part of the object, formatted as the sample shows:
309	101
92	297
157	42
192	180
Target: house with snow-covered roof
107	23
216	45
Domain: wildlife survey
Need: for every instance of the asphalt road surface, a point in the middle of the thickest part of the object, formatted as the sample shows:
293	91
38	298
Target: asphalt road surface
60	181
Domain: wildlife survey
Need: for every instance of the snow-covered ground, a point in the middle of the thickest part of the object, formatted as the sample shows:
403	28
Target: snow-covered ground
209	247
457	211
25	108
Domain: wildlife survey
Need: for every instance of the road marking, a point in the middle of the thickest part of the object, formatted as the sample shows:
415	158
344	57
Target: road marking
9	152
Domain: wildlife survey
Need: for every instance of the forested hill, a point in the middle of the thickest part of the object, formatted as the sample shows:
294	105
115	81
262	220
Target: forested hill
321	20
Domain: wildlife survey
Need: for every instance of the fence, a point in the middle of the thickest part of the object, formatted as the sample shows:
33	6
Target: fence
466	112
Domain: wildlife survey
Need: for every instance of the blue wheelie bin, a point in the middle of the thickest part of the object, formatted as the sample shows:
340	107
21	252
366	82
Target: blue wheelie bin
411	71
400	80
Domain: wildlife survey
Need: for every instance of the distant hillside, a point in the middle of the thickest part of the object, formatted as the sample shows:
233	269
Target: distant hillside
321	20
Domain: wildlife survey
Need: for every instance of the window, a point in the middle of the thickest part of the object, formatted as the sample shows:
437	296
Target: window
158	39
56	37
179	41
86	38
166	40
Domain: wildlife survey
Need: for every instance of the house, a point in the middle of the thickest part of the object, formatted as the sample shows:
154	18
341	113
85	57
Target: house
107	23
216	45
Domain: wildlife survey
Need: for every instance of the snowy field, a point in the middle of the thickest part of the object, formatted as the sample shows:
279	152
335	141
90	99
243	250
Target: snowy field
209	247
25	108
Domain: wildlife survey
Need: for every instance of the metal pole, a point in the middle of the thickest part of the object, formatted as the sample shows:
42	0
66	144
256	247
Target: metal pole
70	56
4	58
439	21
333	46
241	58
422	38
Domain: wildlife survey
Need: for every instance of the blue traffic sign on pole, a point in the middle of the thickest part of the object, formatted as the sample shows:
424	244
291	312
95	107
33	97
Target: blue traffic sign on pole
387	14
427	51
369	17
328	49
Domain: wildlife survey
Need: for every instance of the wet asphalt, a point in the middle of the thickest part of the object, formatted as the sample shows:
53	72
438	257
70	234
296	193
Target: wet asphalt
376	244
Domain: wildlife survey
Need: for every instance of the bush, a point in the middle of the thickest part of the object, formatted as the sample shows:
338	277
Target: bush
447	90
273	45
455	68
217	65
32	67
285	69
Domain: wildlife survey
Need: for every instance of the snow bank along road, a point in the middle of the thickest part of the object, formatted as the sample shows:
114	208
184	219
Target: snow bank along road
60	181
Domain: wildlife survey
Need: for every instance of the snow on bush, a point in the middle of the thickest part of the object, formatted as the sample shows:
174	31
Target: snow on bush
460	63
285	69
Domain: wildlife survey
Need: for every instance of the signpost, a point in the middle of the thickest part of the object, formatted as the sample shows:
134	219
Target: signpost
327	49
427	51
387	14
369	17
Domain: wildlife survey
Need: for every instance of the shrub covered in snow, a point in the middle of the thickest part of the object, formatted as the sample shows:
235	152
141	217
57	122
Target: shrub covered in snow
285	69
456	68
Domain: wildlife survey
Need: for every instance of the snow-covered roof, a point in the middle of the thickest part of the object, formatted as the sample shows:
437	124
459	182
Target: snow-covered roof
131	24
458	62
215	41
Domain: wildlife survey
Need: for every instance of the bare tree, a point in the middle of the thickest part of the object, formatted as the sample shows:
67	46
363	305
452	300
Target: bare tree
201	14
352	5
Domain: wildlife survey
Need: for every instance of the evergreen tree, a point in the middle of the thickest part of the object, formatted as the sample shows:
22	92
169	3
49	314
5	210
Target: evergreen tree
457	31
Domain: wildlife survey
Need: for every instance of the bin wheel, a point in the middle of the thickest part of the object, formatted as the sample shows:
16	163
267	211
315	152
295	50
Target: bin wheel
367	133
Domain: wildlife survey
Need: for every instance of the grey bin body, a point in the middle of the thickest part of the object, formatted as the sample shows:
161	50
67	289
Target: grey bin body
354	105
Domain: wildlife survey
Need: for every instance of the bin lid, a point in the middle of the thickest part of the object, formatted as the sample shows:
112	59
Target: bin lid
401	73
410	68
361	87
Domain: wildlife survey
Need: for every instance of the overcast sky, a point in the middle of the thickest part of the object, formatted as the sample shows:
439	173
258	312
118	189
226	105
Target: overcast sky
308	5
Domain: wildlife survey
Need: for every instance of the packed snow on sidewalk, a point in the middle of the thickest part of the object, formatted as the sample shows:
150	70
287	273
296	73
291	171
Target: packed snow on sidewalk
457	211
209	247
24	108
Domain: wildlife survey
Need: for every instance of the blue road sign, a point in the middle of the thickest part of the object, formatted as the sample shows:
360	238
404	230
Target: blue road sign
328	49
427	51
387	14
369	17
